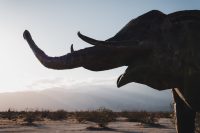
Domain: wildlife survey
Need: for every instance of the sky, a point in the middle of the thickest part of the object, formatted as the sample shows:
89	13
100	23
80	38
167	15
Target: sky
54	25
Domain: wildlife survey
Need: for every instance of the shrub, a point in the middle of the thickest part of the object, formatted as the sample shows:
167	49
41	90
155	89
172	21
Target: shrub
81	116
57	115
143	117
30	117
10	114
45	113
101	116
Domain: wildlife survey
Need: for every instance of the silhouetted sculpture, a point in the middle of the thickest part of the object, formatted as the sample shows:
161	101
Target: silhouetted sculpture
161	51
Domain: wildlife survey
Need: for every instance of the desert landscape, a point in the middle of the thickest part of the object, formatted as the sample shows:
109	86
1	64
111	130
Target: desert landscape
74	66
70	126
101	120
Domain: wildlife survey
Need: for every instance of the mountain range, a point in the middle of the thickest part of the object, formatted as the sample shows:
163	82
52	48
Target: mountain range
87	97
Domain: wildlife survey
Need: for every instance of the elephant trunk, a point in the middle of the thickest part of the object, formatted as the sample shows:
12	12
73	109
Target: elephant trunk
96	58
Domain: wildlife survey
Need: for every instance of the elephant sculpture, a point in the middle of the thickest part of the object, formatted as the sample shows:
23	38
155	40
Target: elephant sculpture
160	50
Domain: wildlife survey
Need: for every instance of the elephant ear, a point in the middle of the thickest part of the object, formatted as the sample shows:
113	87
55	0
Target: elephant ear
132	74
147	75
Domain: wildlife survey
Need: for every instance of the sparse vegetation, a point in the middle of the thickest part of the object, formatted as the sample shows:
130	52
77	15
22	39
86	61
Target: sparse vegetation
45	114
145	117
94	120
30	117
100	116
10	114
57	115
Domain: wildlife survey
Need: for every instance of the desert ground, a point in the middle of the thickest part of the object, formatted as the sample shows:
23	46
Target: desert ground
71	125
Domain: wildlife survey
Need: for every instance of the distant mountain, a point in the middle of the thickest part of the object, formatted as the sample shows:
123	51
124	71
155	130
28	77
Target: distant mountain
86	97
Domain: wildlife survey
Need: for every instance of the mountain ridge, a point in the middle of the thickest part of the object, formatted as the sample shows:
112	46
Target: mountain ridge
89	97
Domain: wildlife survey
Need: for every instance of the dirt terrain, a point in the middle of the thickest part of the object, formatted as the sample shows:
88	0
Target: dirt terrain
68	126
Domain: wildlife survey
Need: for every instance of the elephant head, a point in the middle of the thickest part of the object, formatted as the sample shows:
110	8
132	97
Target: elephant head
130	47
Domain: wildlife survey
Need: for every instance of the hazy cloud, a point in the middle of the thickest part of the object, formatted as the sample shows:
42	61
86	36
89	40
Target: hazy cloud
66	83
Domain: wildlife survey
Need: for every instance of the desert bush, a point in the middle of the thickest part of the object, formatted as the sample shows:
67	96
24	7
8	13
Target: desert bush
45	113
30	117
10	114
163	114
81	116
57	115
142	116
54	115
101	116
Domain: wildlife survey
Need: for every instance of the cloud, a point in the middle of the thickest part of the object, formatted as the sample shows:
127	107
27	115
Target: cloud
66	83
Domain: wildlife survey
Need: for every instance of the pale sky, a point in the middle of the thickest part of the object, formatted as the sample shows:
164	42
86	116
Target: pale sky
54	25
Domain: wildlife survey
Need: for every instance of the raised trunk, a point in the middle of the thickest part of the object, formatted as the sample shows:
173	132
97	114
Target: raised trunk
62	62
93	58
